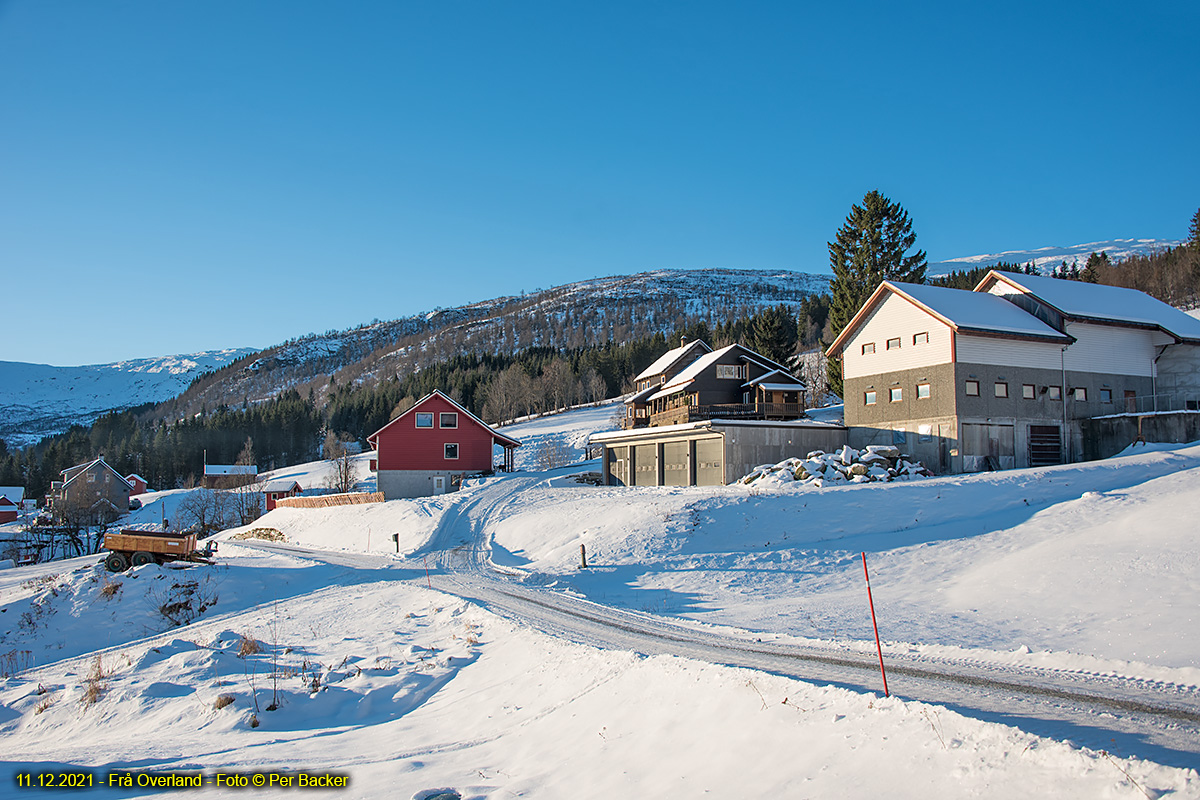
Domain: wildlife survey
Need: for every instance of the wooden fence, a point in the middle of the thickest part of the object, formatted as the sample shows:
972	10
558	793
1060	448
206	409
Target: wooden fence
327	500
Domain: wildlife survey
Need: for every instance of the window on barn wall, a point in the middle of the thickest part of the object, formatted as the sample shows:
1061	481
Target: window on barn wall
868	348
972	388
1106	395
1028	391
1001	389
448	419
921	338
893	344
923	390
451	451
897	394
1081	394
424	419
869	397
1054	392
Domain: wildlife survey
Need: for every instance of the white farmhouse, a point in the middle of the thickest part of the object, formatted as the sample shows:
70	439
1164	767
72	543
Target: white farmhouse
1002	376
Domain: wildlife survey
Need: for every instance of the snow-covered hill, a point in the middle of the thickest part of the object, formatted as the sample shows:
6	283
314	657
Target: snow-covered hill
38	399
1046	258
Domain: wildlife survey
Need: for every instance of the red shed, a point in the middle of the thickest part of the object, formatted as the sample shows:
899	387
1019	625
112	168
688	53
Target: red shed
429	448
137	482
279	489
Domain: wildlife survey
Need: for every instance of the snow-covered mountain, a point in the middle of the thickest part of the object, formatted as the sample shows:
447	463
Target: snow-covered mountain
38	399
1046	258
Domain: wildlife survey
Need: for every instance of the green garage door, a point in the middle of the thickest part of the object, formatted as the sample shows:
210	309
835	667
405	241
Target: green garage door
645	461
676	469
710	464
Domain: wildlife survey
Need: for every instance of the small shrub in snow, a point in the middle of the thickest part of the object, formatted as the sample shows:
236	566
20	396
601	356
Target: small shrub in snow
248	646
94	684
222	701
110	589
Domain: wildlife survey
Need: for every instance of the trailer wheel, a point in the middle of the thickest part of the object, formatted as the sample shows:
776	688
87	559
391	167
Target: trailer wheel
116	562
142	557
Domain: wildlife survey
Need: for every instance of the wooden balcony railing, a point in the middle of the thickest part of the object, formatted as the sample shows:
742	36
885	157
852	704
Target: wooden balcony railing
683	414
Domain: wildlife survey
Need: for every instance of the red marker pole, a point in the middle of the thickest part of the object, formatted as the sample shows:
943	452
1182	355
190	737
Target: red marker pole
878	647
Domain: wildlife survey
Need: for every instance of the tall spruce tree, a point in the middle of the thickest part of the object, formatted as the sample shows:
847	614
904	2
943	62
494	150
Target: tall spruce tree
773	333
870	248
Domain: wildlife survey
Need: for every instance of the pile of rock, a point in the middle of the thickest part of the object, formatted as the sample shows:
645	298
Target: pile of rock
874	463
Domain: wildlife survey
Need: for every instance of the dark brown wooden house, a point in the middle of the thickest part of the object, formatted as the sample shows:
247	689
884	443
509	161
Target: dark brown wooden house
699	383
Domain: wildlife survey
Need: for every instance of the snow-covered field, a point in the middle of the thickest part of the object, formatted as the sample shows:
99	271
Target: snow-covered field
1086	569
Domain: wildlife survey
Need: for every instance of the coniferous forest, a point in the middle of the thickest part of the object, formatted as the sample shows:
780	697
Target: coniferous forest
290	427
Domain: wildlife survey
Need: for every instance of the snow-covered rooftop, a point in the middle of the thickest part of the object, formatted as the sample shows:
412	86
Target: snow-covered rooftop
976	311
1097	301
230	469
280	485
664	362
14	494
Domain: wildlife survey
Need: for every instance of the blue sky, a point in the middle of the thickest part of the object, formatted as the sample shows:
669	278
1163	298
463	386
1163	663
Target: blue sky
184	176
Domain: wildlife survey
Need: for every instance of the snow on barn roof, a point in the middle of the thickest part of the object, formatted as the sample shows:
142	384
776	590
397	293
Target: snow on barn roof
1096	301
280	485
13	494
664	362
230	469
962	310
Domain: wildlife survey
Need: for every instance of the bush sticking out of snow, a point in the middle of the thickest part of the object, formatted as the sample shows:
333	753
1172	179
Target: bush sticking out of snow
818	468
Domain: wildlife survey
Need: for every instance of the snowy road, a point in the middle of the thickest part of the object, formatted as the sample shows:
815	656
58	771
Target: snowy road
1122	715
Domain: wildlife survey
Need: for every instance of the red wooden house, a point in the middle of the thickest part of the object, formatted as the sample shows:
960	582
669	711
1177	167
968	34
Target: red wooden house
429	448
276	490
137	482
10	502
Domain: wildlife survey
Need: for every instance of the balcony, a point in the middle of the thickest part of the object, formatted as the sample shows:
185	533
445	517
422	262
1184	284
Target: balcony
764	411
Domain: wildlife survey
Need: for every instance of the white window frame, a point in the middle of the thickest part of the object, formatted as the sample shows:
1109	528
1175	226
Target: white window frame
446	451
928	391
417	419
732	371
869	397
453	415
896	394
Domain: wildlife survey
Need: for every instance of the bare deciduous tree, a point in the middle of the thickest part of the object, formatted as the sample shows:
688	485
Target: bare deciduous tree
342	478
